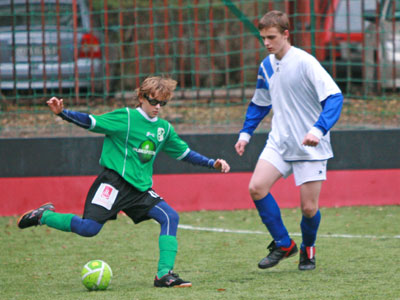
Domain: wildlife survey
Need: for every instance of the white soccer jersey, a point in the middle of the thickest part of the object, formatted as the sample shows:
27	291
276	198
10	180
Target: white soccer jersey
294	86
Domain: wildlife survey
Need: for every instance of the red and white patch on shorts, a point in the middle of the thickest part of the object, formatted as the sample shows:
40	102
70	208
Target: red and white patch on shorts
105	196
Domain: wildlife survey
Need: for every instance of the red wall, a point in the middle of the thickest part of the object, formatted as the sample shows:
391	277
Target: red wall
208	191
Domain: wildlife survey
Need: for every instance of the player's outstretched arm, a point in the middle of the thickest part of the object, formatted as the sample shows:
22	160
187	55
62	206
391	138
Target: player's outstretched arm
200	160
222	165
56	105
78	118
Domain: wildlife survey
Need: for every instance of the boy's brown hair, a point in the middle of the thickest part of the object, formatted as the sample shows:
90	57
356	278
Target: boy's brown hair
159	86
274	18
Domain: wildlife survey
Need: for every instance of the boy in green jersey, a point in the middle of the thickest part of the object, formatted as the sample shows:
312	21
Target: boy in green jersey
133	138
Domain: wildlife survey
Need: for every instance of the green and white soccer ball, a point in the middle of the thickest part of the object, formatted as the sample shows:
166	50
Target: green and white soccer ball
96	275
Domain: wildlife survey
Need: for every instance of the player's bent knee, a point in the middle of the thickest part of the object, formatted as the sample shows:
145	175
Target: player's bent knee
174	217
171	222
257	192
85	227
309	211
166	216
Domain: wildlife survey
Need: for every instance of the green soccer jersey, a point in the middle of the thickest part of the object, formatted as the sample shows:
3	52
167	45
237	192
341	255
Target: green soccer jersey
132	142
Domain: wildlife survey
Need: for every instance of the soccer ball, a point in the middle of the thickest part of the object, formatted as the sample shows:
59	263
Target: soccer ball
96	275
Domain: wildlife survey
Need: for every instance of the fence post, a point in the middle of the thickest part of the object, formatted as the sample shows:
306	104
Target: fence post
312	21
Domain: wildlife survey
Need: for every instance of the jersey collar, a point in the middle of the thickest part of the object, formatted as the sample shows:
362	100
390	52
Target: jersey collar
139	109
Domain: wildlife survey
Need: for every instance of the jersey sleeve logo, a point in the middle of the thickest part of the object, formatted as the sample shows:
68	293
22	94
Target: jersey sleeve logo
160	134
146	151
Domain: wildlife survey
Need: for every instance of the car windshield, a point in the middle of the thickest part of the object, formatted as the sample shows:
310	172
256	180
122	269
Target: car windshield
351	8
22	15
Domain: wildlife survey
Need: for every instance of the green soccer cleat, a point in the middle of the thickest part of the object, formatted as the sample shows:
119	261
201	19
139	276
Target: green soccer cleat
32	217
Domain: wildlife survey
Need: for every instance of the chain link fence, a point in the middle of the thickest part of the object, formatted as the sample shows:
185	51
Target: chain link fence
94	53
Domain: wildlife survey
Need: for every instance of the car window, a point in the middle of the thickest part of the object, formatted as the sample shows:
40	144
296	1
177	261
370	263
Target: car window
389	14
351	8
22	16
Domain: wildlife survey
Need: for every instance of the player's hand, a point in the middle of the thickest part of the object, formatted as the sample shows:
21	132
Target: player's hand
222	165
310	140
240	146
56	105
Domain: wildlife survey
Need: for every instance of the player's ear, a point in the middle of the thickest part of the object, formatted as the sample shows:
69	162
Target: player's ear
140	100
286	33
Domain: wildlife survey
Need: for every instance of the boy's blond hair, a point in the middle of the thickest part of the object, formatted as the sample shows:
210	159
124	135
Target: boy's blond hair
159	86
274	18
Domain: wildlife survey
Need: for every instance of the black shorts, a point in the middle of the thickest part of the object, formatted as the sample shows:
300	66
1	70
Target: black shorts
110	194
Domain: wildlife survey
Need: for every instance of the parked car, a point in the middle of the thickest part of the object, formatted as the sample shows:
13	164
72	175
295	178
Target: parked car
383	54
39	48
343	34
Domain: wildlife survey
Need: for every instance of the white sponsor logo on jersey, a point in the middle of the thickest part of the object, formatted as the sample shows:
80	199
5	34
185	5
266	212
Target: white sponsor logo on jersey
160	134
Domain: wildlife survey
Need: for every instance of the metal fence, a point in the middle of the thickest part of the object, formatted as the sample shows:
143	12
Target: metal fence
94	53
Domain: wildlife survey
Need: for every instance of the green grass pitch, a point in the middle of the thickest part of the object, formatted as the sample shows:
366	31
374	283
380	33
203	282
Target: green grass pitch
358	252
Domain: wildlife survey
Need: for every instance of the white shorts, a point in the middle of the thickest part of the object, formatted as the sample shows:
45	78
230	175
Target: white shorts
303	170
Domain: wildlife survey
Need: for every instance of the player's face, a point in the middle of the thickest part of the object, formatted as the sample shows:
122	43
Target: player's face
151	105
276	42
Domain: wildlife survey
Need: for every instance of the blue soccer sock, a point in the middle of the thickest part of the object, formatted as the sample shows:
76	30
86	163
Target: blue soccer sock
309	228
270	215
85	227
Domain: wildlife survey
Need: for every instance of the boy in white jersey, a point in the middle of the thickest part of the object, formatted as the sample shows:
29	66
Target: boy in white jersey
306	103
133	138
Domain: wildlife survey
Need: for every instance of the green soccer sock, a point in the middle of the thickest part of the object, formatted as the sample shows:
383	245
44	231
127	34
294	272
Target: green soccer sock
57	220
168	249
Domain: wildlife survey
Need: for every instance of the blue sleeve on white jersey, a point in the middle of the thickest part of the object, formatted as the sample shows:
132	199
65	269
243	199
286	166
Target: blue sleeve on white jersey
262	82
197	159
331	108
78	118
254	115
